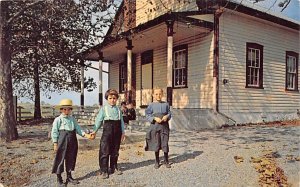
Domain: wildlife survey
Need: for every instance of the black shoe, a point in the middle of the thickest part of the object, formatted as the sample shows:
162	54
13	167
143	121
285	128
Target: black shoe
111	170
156	165
72	181
118	171
167	164
104	175
60	182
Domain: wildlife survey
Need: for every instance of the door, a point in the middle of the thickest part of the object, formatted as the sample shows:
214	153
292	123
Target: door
146	77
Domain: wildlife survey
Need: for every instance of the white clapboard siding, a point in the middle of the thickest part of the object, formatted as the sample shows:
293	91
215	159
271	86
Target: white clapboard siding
160	68
199	93
138	80
114	71
235	31
146	11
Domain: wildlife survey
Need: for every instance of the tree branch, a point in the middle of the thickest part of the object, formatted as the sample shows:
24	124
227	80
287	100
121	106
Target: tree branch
10	20
287	3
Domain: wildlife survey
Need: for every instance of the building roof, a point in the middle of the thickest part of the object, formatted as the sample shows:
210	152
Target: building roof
262	9
205	7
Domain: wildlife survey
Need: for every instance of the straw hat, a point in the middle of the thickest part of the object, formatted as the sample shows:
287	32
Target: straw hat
65	103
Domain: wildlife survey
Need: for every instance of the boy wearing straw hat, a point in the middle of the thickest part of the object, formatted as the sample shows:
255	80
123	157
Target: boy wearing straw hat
110	116
63	134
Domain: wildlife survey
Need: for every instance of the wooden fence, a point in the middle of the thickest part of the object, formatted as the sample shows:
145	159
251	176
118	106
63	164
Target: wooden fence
86	115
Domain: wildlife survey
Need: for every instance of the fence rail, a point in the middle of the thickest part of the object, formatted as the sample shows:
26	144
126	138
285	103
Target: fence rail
86	115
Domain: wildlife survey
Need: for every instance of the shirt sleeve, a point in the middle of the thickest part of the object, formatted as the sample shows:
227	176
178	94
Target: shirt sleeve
78	128
169	112
122	125
55	130
149	114
99	120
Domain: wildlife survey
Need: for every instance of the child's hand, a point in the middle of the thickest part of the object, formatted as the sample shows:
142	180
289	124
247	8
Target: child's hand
92	136
55	147
123	137
89	136
158	120
165	118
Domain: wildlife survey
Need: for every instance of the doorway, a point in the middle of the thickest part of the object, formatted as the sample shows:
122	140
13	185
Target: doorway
146	77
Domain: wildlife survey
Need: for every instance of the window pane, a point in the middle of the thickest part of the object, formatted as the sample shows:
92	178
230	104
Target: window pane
253	65
180	68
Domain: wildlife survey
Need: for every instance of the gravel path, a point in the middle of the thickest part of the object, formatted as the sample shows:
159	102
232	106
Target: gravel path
203	158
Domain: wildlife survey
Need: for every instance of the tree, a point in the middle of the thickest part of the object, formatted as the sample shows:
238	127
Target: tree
46	40
58	51
8	130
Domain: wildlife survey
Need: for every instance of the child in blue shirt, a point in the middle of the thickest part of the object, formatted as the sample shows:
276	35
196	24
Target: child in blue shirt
64	130
158	114
110	116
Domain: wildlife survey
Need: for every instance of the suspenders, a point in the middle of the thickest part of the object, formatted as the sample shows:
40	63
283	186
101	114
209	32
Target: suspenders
107	114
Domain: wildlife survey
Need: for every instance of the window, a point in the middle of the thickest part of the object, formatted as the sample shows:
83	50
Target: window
147	57
254	66
291	80
180	58
122	77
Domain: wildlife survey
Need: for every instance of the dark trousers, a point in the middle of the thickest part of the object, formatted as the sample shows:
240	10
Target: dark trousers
66	152
110	144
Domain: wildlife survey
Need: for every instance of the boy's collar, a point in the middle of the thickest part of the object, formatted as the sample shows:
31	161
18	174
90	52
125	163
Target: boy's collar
110	105
63	115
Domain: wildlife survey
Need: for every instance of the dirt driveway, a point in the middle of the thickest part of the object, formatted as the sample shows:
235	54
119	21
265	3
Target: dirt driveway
234	156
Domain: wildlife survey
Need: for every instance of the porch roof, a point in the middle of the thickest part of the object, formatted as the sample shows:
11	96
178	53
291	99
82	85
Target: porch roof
151	35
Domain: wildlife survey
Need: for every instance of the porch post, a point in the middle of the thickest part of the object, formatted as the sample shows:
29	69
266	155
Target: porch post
100	78
129	70
170	33
82	85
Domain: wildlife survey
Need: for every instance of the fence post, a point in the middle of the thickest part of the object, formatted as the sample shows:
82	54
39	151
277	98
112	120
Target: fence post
15	106
53	111
20	113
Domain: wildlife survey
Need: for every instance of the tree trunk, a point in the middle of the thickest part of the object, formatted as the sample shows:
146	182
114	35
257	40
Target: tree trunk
8	123
37	99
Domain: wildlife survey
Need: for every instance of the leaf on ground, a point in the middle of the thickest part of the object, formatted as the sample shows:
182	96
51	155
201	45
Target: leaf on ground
238	159
42	157
270	173
255	160
139	153
264	162
34	161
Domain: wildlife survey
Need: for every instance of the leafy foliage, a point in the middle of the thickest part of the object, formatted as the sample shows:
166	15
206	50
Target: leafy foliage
50	36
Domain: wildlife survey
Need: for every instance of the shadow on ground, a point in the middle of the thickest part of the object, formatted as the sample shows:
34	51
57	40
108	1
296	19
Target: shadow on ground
174	159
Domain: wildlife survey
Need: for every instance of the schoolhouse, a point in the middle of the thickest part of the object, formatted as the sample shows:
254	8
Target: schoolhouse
218	62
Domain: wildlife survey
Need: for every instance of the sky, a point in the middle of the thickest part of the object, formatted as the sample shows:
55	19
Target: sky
91	98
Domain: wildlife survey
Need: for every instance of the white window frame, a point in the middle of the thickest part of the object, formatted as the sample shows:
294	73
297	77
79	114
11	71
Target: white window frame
123	77
254	66
253	75
291	71
180	67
